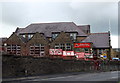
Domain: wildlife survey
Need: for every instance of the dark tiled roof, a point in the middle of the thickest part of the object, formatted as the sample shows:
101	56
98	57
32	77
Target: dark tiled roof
99	40
48	28
3	39
116	49
84	27
18	30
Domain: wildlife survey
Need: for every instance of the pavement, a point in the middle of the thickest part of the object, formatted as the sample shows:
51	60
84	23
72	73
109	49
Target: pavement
77	77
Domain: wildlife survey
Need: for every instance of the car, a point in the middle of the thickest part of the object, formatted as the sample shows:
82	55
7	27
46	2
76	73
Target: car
116	59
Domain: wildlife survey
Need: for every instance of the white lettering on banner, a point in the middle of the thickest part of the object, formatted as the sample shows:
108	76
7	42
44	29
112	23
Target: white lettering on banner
68	53
64	53
80	54
55	51
82	45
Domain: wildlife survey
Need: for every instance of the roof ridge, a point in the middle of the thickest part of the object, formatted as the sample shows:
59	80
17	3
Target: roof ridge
83	25
101	33
52	22
21	29
67	26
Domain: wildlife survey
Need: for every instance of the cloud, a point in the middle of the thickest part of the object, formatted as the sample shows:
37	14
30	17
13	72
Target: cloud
114	41
97	14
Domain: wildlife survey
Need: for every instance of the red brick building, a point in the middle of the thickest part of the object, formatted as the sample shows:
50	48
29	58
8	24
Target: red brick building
2	42
36	39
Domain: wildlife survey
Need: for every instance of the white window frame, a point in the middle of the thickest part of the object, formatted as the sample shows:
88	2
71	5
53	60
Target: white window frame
54	35
73	35
57	46
40	50
86	51
23	35
68	46
14	48
30	36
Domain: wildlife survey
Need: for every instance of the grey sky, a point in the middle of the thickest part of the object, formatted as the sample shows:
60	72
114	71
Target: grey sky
97	14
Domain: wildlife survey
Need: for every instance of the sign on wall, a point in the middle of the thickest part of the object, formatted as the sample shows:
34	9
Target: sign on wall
88	55
80	54
104	56
82	45
68	53
55	51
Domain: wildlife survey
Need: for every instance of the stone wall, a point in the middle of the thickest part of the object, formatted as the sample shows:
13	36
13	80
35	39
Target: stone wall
14	66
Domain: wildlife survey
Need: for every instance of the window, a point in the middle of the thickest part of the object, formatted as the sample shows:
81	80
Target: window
100	51
50	39
73	36
30	36
23	35
31	47
82	50
14	49
9	47
54	35
86	50
32	50
57	46
68	47
42	53
76	49
37	50
63	46
18	49
79	50
42	48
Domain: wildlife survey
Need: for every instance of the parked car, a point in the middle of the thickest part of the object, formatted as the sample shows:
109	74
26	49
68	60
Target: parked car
116	59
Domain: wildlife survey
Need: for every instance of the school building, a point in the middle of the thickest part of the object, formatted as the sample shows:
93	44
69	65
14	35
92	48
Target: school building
60	39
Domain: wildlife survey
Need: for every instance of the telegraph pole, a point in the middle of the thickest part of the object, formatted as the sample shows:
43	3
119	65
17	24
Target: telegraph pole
109	25
109	31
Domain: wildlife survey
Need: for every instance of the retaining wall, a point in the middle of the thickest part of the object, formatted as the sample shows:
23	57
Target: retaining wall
14	66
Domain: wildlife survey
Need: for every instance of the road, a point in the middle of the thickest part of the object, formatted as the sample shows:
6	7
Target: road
107	77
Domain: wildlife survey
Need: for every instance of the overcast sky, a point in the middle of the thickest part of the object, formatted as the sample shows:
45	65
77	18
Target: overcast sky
100	15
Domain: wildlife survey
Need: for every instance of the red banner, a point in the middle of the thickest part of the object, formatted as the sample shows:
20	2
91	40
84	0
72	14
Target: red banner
55	51
68	53
80	54
82	45
87	54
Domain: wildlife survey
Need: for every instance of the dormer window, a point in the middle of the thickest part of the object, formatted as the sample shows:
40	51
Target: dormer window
30	36
73	36
23	35
54	35
27	36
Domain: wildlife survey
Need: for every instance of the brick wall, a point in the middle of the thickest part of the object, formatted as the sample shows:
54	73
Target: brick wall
62	38
80	38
